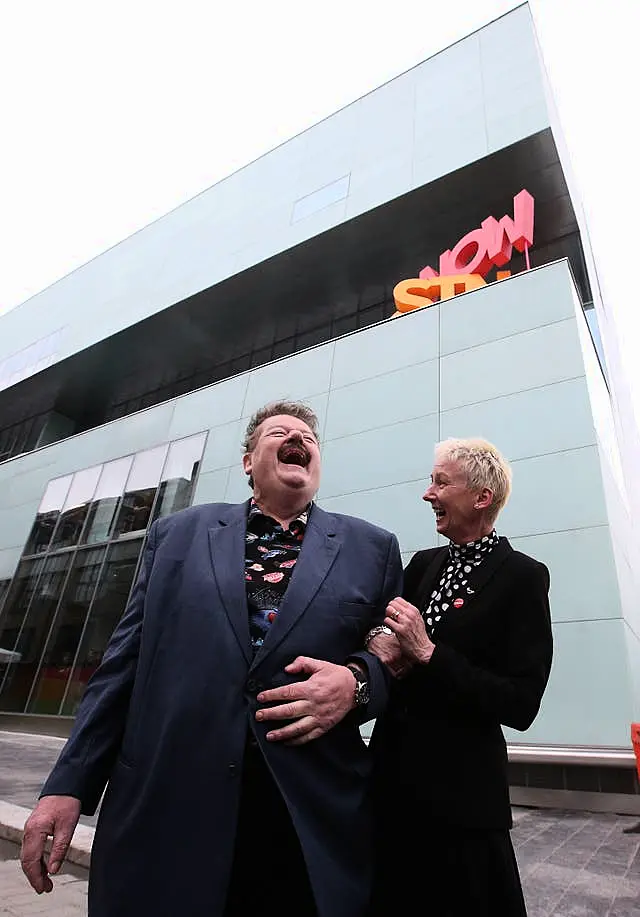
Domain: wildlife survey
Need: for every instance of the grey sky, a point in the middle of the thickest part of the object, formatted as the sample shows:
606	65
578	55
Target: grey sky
114	113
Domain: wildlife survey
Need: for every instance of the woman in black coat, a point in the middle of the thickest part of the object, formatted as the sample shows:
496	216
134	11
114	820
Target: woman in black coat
470	646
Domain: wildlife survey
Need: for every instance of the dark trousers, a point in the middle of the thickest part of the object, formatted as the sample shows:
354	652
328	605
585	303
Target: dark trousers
269	875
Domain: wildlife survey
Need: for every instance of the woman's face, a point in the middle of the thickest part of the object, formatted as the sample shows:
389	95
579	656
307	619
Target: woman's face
460	512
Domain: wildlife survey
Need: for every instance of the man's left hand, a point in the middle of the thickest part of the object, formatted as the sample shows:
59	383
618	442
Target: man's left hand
316	705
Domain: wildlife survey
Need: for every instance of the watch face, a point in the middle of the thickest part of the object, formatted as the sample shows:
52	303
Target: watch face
362	691
361	688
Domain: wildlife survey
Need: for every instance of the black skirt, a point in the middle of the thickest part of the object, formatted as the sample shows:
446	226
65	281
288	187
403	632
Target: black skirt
446	870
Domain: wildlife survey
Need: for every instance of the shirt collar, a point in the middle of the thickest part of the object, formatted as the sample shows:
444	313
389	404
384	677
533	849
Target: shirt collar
300	522
474	551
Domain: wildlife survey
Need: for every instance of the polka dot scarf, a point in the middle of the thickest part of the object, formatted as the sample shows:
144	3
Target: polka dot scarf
454	589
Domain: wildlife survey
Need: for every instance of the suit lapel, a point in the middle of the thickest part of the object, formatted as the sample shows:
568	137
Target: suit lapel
488	567
322	542
227	547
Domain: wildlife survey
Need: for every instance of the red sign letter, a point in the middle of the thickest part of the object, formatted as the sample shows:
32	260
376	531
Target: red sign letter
501	236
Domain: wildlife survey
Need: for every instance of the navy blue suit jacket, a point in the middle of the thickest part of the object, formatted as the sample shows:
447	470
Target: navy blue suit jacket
164	719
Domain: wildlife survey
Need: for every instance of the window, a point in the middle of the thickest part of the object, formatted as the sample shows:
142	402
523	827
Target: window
33	633
48	513
16	604
66	631
179	475
106	501
4	588
140	493
109	603
71	587
30	359
76	506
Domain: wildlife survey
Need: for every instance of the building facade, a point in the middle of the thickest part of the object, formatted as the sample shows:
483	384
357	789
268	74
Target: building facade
125	387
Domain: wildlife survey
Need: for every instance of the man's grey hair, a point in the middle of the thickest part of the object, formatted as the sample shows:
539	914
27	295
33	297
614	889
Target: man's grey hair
484	466
291	408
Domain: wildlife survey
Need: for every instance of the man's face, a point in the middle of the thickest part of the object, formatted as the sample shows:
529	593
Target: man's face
285	458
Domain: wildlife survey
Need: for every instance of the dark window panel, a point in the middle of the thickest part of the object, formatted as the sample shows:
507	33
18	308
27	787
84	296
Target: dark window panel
15	608
75	509
241	363
48	514
33	633
137	503
344	325
179	475
102	513
316	336
371	316
109	603
66	632
4	588
262	356
284	348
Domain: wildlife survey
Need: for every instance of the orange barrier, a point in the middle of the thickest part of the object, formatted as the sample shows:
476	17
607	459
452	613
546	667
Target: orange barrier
635	741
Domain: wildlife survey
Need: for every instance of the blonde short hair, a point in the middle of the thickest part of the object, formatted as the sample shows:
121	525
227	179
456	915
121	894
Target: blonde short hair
484	466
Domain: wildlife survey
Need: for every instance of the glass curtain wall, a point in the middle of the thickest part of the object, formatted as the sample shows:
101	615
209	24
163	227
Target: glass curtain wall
74	579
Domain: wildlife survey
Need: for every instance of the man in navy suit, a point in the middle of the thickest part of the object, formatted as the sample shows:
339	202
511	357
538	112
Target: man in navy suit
224	718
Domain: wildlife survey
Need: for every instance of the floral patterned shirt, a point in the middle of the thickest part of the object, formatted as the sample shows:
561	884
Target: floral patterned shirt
270	555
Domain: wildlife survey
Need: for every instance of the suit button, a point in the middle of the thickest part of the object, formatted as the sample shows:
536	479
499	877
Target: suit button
252	685
233	770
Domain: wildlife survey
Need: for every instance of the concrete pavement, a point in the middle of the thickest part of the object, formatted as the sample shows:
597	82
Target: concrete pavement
573	864
68	899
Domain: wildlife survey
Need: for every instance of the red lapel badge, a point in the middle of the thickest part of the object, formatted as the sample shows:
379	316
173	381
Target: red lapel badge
458	603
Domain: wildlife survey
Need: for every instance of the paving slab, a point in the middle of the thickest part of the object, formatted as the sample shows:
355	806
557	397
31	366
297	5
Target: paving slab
573	864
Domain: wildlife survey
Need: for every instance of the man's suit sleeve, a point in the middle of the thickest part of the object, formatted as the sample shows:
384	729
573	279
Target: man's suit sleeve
87	759
378	673
513	695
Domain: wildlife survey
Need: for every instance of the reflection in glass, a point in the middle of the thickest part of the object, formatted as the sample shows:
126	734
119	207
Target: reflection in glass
33	635
108	605
48	512
592	322
179	475
102	512
141	490
65	634
15	607
76	506
4	588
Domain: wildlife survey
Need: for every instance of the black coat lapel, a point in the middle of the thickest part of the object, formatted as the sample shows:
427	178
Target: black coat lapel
481	575
322	542
227	546
430	578
488	567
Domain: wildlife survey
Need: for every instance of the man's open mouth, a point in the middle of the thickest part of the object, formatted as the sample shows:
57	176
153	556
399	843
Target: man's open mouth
440	514
294	455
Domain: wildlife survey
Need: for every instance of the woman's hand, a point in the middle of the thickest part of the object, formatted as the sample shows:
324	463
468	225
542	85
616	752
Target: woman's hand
387	648
406	622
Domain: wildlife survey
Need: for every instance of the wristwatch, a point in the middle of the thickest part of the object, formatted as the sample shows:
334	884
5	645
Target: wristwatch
361	694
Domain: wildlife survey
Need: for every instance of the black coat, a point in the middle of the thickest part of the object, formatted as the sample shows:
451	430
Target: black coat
164	719
441	739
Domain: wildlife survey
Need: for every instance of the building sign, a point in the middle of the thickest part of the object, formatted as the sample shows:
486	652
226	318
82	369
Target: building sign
465	266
